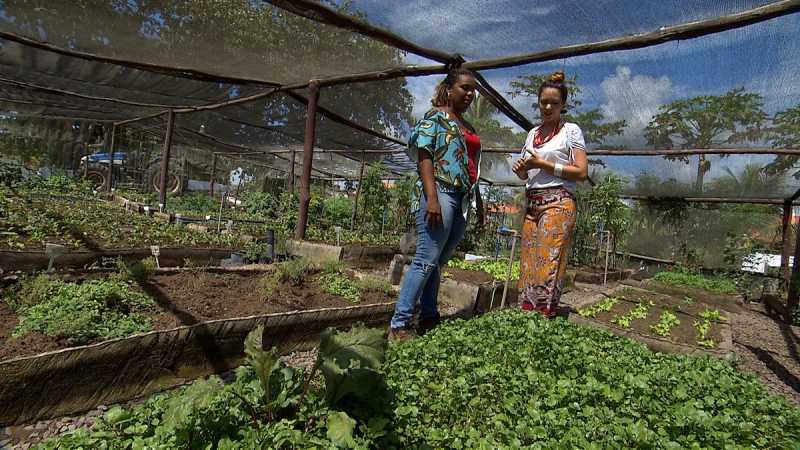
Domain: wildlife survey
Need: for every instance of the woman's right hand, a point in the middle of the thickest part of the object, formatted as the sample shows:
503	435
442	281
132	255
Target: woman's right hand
433	213
520	168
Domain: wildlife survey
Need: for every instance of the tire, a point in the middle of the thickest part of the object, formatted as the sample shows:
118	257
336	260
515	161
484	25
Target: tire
98	178
175	183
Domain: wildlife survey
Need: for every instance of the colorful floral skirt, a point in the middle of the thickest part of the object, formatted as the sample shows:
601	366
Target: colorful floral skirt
546	237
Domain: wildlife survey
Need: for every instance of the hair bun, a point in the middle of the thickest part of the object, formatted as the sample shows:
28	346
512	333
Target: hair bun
557	77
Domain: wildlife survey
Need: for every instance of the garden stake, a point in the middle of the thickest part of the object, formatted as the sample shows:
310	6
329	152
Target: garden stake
510	265
221	202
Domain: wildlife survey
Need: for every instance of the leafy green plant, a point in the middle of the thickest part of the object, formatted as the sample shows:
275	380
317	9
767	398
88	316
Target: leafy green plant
269	405
604	305
638	312
253	251
683	276
341	285
294	271
83	312
666	322
374	284
497	269
713	315
461	387
31	291
140	271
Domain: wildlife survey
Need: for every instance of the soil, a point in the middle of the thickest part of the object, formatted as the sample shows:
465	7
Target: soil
188	298
768	347
729	303
469	276
684	333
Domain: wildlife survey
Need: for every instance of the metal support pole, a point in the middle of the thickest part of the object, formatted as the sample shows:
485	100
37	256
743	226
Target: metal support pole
111	158
213	173
162	184
358	194
786	248
308	159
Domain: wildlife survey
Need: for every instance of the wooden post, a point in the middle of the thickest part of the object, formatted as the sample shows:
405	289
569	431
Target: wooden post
213	173
786	241
162	185
308	159
111	158
291	173
794	282
358	193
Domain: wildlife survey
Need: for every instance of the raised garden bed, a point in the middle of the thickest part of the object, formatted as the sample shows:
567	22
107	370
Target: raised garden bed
200	318
91	224
663	322
191	296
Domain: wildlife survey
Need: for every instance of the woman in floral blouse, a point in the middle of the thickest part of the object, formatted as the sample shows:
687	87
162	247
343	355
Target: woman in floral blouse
447	152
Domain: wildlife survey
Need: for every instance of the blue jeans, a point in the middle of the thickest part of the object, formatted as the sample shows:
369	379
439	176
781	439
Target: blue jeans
434	248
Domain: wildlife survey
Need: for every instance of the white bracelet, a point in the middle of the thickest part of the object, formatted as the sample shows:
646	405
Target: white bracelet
558	170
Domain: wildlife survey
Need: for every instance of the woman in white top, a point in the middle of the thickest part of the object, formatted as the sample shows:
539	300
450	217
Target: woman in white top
552	161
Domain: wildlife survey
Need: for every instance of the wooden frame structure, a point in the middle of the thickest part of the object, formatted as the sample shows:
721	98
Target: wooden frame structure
323	14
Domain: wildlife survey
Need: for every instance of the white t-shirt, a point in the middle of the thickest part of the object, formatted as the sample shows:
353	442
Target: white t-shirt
559	149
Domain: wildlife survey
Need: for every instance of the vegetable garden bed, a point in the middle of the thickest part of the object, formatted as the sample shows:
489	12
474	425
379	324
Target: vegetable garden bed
29	221
460	387
663	322
181	298
201	317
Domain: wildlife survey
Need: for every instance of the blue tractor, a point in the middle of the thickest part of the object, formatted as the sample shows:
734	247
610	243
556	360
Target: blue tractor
95	169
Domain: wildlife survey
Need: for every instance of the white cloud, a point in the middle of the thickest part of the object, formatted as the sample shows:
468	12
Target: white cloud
635	99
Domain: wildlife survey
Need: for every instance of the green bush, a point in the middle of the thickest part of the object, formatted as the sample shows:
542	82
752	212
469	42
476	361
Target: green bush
140	271
294	271
83	312
261	204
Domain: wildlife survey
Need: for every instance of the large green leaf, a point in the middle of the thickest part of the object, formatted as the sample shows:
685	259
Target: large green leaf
340	429
198	396
351	361
263	362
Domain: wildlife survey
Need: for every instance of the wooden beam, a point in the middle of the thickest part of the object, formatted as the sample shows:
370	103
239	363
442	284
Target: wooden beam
54	91
308	159
758	201
324	14
683	152
786	247
683	31
162	184
292	175
176	71
345	121
502	104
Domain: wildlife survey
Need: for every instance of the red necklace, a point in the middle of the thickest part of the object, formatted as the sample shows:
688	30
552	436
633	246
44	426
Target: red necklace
539	141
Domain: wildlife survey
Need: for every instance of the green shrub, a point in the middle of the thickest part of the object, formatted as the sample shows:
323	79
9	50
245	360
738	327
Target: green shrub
83	312
374	284
31	291
294	271
140	271
260	204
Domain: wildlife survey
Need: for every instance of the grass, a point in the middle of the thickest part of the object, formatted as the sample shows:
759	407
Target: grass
684	277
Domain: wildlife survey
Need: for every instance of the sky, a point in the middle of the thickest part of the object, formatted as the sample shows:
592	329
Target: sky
626	85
